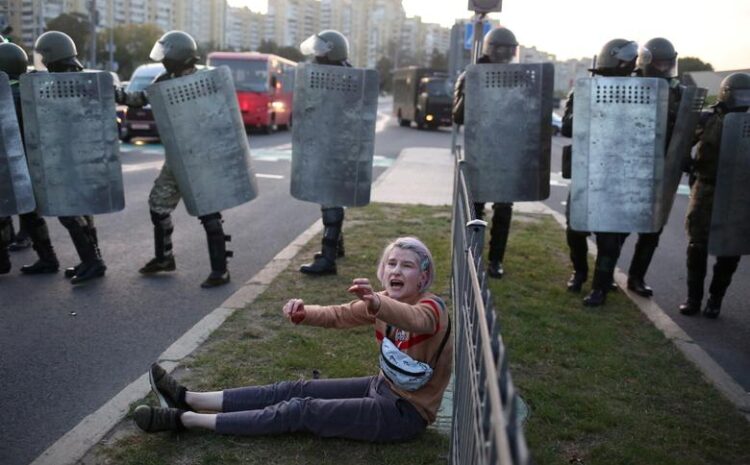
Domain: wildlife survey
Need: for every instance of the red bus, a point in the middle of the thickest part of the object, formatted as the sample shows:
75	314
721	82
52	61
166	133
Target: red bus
265	85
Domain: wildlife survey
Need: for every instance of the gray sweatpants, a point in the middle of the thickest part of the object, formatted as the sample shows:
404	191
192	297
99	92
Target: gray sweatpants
354	408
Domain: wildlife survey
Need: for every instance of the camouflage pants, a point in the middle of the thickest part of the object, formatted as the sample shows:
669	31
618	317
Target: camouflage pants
698	219
165	195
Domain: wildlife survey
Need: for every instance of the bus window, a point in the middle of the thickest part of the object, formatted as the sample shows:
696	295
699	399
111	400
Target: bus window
248	75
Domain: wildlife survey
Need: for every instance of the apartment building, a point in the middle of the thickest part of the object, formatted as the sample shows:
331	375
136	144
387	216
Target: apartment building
244	29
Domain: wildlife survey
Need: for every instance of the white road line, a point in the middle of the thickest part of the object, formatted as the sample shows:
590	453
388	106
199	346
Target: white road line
269	176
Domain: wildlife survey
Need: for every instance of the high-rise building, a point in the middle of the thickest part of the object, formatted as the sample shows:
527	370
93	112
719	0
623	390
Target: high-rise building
289	22
244	29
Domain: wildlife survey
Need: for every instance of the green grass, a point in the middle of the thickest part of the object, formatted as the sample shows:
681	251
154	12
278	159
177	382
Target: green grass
258	346
603	385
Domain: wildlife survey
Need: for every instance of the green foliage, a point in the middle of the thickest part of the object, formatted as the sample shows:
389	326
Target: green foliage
288	52
690	64
438	60
133	44
77	26
385	73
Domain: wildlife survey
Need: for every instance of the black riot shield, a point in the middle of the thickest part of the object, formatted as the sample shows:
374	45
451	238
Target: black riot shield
333	137
507	131
730	218
16	194
204	139
619	143
680	144
72	143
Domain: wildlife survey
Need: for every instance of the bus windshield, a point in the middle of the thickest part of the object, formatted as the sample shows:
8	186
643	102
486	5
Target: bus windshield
248	75
439	87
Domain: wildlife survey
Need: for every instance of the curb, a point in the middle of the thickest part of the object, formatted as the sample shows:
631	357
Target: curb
715	374
74	444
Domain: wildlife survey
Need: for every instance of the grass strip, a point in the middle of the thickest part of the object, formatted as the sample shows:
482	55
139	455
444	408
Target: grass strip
604	386
257	345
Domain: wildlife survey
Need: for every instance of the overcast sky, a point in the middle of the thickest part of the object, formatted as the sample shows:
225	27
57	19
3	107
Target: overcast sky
715	31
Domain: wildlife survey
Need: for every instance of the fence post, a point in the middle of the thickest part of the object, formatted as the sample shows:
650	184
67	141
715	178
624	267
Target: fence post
475	235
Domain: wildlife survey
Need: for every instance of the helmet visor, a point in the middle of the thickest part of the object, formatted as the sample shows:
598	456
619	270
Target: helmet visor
502	53
158	52
627	52
739	98
315	46
39	62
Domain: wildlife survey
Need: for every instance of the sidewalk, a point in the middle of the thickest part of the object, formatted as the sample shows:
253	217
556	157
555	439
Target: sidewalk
421	176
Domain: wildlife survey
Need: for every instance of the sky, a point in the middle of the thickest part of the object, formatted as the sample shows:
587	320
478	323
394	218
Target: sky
714	31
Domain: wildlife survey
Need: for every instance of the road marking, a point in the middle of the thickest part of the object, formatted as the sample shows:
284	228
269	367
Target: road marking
269	176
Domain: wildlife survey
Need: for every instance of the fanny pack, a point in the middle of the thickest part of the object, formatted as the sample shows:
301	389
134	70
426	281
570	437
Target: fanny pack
402	370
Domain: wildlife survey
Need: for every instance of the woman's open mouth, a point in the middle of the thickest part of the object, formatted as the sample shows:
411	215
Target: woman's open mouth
396	284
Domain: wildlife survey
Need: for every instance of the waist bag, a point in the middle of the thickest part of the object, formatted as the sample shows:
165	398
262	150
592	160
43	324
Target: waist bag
402	370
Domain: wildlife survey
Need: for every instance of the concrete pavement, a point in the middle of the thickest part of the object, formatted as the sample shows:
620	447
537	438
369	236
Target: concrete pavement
418	176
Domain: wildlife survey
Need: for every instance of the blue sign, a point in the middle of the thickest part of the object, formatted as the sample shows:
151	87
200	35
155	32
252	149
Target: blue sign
469	33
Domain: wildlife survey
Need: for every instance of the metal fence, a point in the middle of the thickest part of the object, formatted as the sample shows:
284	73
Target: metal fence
486	426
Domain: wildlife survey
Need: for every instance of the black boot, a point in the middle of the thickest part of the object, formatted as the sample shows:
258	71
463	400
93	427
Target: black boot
163	258
47	262
697	256
724	268
92	266
340	252
325	262
6	227
499	231
644	252
495	269
600	286
579	250
217	250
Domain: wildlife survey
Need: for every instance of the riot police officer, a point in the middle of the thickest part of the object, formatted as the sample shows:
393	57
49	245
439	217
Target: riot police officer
499	46
178	52
656	58
13	62
328	47
734	96
56	52
616	58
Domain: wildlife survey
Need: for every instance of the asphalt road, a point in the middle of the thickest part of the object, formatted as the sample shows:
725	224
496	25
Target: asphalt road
727	339
67	350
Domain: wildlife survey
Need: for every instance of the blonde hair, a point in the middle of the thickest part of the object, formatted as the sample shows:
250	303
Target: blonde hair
412	244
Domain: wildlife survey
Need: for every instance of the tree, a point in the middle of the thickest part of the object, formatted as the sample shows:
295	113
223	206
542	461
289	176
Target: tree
268	46
385	71
438	60
133	44
77	26
690	64
290	53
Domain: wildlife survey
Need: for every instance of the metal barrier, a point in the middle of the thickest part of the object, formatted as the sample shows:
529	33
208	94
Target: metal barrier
486	427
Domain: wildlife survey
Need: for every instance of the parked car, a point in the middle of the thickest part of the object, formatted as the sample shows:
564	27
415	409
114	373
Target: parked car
139	122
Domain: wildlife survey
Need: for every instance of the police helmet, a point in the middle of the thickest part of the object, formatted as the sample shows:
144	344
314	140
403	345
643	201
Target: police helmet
616	58
176	50
500	45
657	58
329	44
54	47
13	60
734	91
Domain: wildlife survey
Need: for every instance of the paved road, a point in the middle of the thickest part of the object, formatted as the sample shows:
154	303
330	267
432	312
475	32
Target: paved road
726	339
67	350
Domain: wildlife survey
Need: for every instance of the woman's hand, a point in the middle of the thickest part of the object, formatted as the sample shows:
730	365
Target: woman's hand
363	290
294	310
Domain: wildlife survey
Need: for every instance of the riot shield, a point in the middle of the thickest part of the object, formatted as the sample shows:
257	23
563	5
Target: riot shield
16	194
507	131
680	144
619	143
72	144
204	139
333	137
730	217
